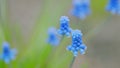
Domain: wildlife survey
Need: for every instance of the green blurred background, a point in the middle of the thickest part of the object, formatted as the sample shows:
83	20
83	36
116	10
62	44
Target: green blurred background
24	24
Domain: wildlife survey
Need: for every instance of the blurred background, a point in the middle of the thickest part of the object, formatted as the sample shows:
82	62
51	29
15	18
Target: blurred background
24	24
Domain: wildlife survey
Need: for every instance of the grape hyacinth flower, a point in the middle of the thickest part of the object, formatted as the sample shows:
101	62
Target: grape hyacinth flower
113	6
64	26
81	8
77	43
7	53
52	37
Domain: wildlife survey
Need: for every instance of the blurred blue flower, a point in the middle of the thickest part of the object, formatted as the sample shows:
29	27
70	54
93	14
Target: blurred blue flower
7	53
52	37
113	6
81	8
64	26
77	43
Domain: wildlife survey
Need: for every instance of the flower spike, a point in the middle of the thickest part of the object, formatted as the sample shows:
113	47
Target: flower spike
77	43
64	26
7	53
52	37
81	8
113	6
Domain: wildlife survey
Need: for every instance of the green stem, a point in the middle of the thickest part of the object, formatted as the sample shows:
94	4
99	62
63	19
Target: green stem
10	65
54	49
71	65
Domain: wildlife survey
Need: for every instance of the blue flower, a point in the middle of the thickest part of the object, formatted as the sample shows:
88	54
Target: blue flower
113	6
7	53
77	43
81	8
64	26
52	37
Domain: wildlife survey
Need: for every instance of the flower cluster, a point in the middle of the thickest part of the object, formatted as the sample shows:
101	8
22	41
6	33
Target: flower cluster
7	53
81	8
77	43
52	37
64	30
64	26
113	6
